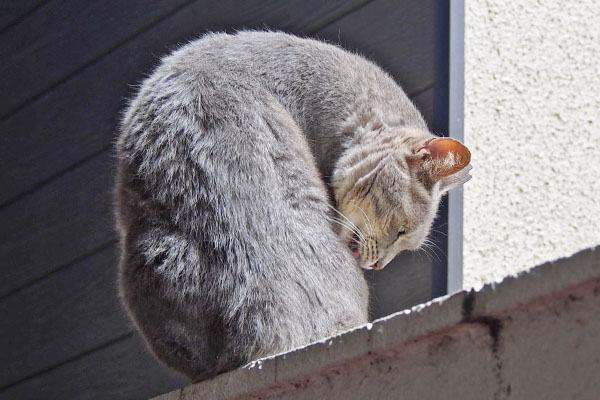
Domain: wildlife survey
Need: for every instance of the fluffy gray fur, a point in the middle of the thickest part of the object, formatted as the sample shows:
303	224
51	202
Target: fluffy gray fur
230	159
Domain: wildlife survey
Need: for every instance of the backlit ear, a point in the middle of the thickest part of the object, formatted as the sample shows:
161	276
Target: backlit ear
443	157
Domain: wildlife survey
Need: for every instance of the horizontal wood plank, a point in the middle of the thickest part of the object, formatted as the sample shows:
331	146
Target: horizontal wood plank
400	37
64	35
68	218
123	369
406	281
62	316
425	103
12	11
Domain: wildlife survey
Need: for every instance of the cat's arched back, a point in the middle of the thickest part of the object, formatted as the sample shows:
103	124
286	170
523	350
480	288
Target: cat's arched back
255	177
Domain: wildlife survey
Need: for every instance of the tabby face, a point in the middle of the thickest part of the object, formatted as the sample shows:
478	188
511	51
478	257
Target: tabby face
390	206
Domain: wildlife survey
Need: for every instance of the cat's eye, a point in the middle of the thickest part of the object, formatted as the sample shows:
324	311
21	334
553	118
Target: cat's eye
401	232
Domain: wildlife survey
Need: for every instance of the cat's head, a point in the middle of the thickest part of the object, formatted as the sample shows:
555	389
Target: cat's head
388	192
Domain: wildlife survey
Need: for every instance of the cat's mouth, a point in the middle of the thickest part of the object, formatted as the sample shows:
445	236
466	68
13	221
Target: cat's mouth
354	246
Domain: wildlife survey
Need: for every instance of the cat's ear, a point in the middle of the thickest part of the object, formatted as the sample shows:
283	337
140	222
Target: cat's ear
444	160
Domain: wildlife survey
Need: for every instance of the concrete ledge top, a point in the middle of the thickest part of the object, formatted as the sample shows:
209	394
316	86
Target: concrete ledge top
394	331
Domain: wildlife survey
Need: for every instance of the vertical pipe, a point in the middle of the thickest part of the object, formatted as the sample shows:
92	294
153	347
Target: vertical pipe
440	235
455	129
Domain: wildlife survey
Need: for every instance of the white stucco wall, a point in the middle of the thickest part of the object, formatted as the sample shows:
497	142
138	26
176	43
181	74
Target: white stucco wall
532	121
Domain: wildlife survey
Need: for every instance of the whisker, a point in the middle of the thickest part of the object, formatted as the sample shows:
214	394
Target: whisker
436	246
430	253
368	222
353	229
357	229
424	251
356	241
431	246
440	232
342	215
342	223
358	233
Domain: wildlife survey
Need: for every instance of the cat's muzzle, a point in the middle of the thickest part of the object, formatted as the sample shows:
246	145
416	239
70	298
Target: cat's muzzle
365	249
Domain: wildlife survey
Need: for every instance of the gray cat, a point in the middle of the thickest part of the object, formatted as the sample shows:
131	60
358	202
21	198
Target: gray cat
257	173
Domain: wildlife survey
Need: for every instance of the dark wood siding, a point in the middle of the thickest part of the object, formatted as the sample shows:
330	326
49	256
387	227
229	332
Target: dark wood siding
67	69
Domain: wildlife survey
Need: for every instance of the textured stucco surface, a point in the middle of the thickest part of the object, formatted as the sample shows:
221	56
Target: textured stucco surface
532	121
